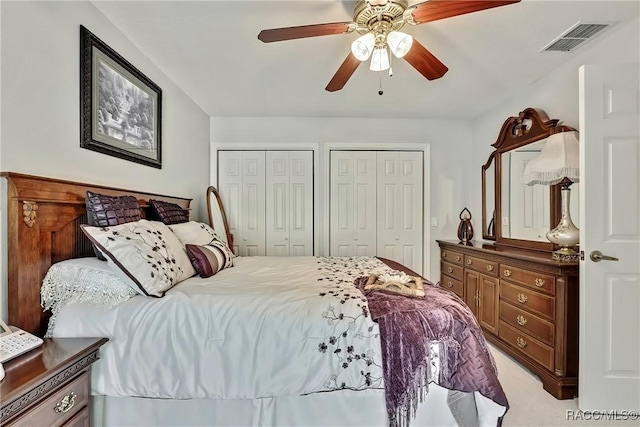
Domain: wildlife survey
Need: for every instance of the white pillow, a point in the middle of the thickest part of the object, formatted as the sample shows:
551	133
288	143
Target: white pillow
146	251
82	280
197	233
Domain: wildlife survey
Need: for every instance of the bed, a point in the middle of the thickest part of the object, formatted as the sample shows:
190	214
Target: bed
268	341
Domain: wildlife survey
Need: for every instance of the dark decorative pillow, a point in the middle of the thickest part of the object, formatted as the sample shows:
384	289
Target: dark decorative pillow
209	259
107	211
168	213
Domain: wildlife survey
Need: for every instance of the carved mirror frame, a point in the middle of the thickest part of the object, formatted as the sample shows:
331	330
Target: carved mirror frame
529	126
486	222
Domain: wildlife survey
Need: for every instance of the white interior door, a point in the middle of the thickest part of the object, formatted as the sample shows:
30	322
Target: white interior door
277	215
529	204
609	374
301	203
289	203
242	186
352	204
230	188
399	207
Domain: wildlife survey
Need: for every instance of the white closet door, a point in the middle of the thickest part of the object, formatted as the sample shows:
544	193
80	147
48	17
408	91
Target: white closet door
242	185
399	207
289	203
230	188
352	203
301	203
277	203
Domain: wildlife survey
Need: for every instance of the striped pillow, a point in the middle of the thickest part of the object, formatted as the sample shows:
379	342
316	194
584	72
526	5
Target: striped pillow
207	260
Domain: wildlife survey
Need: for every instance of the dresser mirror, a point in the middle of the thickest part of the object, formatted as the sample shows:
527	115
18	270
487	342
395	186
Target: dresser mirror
515	214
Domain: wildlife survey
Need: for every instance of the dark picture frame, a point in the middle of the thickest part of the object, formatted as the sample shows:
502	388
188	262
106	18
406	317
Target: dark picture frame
120	108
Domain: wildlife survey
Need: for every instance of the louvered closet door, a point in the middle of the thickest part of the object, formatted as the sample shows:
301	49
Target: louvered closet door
352	203
399	207
289	203
242	185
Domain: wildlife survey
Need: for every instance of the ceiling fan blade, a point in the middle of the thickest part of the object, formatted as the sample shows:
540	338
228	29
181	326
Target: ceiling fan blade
434	10
343	74
290	33
424	61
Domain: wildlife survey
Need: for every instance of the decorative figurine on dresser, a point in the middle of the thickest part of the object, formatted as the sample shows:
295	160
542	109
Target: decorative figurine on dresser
524	297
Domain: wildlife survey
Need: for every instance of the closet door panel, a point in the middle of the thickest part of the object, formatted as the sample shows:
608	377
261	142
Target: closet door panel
252	229
277	203
341	204
230	187
352	203
301	203
399	206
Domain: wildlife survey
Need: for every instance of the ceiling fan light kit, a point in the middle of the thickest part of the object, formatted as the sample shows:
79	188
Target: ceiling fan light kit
379	22
362	47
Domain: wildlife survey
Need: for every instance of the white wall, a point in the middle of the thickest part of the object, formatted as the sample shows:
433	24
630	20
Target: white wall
40	110
556	93
449	142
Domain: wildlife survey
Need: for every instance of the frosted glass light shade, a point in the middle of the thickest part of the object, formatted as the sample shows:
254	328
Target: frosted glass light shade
399	43
558	159
363	46
379	60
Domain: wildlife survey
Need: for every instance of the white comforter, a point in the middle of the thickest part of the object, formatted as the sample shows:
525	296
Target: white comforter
269	326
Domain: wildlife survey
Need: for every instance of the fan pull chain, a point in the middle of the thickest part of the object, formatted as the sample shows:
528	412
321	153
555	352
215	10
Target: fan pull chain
380	91
390	63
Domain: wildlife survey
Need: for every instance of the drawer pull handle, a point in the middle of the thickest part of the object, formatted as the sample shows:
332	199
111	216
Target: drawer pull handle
66	403
489	267
450	270
521	320
507	273
469	261
522	298
539	283
457	257
450	284
522	343
444	254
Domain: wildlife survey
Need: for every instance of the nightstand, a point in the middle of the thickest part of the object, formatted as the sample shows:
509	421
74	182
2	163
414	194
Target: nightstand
50	386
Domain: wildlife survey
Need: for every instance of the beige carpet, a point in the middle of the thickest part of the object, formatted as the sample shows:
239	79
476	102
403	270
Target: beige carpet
530	405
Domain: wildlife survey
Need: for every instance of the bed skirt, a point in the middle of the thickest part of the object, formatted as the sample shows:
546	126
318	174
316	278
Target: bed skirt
339	408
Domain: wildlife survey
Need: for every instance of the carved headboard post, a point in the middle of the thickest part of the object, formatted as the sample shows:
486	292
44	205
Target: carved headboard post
43	227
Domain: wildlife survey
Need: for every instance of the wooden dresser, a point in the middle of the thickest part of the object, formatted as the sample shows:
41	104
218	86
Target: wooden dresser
526	303
50	385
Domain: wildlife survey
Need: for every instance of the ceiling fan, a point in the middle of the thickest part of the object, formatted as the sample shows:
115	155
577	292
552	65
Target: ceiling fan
379	22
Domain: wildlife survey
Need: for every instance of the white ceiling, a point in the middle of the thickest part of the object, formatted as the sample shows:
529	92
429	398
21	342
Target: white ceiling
210	49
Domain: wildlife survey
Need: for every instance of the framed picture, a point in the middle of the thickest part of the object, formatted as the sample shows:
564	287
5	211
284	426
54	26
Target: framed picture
120	112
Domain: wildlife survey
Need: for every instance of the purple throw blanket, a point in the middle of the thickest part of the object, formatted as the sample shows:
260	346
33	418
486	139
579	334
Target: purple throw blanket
408	327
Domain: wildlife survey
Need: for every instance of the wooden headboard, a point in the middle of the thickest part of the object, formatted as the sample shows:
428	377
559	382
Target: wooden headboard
43	227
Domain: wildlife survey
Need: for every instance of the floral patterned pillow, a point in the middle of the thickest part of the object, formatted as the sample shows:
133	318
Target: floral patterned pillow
146	251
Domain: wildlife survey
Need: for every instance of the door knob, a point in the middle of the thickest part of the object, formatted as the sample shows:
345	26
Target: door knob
597	256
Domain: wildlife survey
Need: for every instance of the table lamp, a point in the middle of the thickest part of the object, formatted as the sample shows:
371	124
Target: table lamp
558	163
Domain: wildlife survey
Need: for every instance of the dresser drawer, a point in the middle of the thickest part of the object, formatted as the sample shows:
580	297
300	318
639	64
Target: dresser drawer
482	265
527	322
82	419
528	345
455	271
60	406
451	256
538	281
453	285
527	300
